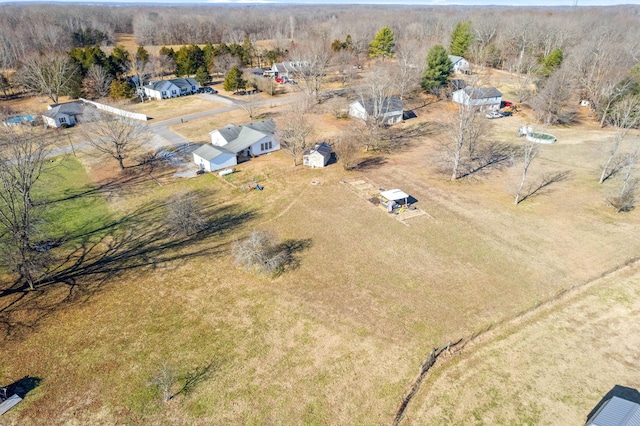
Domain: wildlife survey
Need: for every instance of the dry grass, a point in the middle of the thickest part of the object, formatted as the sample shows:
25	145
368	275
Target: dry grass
159	110
337	340
551	370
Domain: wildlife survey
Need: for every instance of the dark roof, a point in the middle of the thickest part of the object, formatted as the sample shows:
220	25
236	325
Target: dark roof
482	92
390	104
321	148
184	83
158	86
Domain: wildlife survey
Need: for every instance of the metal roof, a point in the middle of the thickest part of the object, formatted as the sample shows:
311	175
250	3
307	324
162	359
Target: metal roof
389	104
394	195
617	412
241	137
209	152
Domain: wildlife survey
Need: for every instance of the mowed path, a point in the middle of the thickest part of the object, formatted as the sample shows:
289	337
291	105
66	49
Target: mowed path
549	368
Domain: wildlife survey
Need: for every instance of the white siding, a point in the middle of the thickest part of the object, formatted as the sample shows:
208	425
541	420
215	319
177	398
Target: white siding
357	110
217	139
262	146
222	161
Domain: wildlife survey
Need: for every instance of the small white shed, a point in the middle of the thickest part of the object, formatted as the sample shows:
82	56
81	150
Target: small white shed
318	156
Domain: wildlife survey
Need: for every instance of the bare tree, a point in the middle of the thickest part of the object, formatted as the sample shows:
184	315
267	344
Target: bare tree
183	214
23	153
625	116
314	59
117	137
165	379
625	200
348	152
296	133
259	251
96	83
49	74
551	104
529	153
465	129
409	67
142	69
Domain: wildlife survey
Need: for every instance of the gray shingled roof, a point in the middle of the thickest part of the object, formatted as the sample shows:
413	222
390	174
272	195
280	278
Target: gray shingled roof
245	139
184	83
231	132
482	92
69	108
390	104
158	86
209	152
322	148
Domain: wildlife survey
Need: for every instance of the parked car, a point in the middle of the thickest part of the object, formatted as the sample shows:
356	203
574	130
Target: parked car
506	113
494	114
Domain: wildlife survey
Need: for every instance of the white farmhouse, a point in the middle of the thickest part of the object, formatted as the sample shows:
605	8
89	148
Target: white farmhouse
388	110
318	156
459	64
481	98
173	88
232	143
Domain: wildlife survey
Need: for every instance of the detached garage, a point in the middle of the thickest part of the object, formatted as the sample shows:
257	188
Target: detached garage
211	158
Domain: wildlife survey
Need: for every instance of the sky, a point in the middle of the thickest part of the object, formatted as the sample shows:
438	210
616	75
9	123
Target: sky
320	2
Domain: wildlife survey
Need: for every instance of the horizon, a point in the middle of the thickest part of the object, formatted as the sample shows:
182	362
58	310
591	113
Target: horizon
444	3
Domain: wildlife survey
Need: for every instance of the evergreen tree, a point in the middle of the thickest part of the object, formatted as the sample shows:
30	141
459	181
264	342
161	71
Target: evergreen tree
461	39
551	62
202	76
118	61
121	89
383	44
188	60
142	55
438	69
234	81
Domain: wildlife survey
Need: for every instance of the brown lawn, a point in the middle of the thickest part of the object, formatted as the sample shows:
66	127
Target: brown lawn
336	340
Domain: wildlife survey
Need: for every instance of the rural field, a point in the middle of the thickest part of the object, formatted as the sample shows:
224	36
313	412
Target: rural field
113	310
339	338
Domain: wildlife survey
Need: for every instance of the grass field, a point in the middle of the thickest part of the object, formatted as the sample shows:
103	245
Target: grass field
336	340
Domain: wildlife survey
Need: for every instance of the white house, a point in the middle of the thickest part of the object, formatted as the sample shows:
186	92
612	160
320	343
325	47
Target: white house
231	142
459	64
318	156
288	69
482	98
61	115
211	158
389	110
173	88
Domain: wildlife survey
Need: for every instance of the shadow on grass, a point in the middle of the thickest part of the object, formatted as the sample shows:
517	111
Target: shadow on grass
371	163
23	386
96	256
541	187
290	249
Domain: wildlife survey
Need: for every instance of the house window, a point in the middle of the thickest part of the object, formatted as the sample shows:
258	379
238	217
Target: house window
62	120
193	88
261	147
270	145
164	93
173	92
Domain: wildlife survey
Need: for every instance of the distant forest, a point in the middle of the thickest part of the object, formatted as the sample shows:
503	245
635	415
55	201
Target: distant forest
594	51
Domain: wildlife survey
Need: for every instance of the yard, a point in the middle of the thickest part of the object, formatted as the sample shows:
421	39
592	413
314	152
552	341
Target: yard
337	340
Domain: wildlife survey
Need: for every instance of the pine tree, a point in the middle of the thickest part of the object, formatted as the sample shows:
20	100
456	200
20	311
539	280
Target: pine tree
383	44
461	39
120	89
551	62
438	69
202	76
234	81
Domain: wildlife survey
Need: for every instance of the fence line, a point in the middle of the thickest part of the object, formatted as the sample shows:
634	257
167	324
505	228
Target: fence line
424	368
117	111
